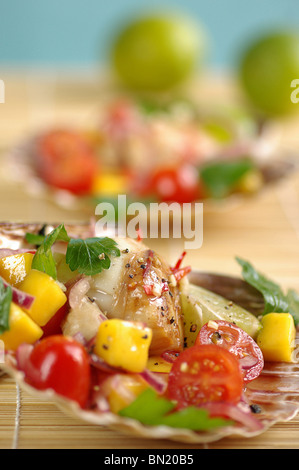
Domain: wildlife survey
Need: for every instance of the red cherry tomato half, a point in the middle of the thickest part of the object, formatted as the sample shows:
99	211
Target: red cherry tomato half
61	364
238	342
205	373
174	184
65	160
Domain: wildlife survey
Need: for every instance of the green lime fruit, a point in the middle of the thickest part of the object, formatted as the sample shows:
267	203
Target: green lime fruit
200	306
266	71
156	53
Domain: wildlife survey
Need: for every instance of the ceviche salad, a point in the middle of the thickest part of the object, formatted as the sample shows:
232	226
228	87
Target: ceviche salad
110	327
176	151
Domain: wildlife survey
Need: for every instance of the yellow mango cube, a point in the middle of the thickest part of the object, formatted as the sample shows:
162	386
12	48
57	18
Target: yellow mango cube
49	297
22	329
109	184
276	337
122	389
251	182
14	268
123	344
158	364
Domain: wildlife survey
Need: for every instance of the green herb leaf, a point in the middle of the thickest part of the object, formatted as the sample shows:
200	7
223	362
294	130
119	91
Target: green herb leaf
5	302
43	259
88	256
274	297
34	238
92	255
220	178
152	410
293	301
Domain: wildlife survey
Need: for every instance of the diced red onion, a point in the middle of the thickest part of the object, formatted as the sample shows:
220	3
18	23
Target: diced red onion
22	355
170	356
78	291
235	413
19	297
88	344
99	402
154	380
23	361
80	338
100	364
4	252
248	361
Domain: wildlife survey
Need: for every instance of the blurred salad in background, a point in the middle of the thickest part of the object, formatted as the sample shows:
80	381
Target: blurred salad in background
152	140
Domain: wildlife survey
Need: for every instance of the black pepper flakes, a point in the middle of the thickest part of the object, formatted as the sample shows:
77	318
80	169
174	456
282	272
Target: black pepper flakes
128	265
255	408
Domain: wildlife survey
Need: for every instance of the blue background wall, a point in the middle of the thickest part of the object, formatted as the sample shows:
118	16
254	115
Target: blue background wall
78	32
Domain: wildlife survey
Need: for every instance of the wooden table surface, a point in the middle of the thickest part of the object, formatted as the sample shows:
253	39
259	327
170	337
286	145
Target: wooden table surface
263	229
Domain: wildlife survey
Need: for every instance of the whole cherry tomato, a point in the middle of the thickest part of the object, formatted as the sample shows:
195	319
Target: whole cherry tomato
61	364
65	160
174	184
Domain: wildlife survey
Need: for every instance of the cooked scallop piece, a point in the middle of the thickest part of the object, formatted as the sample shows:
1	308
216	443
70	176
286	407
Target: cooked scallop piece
139	287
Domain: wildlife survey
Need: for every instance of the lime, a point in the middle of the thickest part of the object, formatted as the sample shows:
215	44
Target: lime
266	71
200	305
155	53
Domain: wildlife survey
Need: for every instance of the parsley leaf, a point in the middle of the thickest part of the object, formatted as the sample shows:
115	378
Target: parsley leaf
88	256
5	301
221	177
43	259
274	297
34	238
92	255
152	410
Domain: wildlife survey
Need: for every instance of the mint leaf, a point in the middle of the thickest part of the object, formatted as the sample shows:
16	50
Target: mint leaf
220	178
152	410
43	259
5	302
92	255
274	297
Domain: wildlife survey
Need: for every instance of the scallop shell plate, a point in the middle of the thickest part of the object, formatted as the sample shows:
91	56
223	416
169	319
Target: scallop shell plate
276	390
